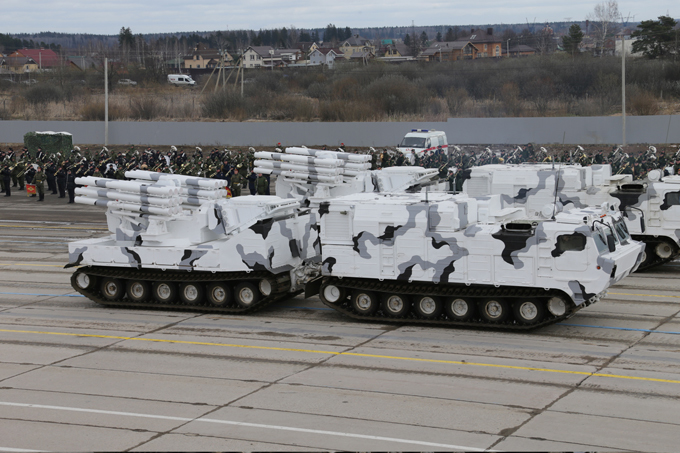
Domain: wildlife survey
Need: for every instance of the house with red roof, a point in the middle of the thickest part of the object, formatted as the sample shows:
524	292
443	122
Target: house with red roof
43	58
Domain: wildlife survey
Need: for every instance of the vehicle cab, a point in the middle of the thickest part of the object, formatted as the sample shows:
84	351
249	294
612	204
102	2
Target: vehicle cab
422	141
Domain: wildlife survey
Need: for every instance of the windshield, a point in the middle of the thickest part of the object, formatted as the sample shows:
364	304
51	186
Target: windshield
600	241
621	230
413	142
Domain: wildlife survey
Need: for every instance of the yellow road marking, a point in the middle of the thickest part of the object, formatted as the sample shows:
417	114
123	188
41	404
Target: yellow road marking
645	295
355	354
53	227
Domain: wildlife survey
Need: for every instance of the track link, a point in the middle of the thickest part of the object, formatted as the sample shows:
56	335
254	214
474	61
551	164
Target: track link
279	291
477	293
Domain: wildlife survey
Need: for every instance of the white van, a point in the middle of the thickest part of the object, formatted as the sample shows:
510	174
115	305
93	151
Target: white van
423	140
181	80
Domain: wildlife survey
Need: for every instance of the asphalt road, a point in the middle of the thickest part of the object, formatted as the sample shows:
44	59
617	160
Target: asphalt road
297	376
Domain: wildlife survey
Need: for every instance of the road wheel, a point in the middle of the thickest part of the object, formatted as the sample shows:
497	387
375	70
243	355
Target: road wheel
112	288
219	294
557	306
191	293
428	307
396	305
246	294
84	281
494	310
138	290
664	250
365	302
460	309
165	292
332	294
529	311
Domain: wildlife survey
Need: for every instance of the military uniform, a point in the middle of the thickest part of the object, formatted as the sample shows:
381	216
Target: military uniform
261	185
71	186
39	180
236	182
7	180
61	182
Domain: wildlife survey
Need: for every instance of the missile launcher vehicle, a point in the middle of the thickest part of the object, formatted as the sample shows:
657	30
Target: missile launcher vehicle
176	242
456	260
651	208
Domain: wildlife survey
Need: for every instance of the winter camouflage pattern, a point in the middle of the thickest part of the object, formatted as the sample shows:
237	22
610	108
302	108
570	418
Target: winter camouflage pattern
448	239
651	208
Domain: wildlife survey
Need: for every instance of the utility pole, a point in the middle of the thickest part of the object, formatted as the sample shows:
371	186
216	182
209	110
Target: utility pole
623	88
106	101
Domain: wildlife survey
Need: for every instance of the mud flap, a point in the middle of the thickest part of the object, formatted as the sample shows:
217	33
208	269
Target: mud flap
313	287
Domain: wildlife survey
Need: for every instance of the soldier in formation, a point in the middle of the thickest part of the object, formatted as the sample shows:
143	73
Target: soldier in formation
234	165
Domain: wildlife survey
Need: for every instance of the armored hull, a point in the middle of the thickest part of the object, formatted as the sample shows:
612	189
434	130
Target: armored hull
651	208
457	260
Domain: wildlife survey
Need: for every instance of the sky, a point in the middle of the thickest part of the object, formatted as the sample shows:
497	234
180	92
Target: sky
167	16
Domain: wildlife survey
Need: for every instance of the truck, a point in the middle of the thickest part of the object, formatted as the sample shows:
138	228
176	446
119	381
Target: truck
651	208
422	141
451	259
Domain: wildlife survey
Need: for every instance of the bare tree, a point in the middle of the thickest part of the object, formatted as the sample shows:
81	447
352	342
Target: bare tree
605	20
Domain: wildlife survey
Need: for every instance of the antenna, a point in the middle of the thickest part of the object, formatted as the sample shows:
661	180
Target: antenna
557	184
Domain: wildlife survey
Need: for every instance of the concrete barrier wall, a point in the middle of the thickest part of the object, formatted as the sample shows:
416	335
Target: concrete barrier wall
572	130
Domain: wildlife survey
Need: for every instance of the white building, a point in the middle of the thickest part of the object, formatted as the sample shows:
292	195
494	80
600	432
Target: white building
324	56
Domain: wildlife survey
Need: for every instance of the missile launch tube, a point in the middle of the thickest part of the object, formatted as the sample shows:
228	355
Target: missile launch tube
325	154
128	186
298	159
315	178
114	195
296	167
186	180
167	212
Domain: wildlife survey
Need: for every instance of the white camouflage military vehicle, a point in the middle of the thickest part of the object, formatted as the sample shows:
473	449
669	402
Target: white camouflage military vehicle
451	259
177	242
651	208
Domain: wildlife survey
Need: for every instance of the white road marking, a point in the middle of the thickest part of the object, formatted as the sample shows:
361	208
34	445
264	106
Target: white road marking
18	450
244	424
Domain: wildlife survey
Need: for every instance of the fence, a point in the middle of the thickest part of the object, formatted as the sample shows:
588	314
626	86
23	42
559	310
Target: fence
493	131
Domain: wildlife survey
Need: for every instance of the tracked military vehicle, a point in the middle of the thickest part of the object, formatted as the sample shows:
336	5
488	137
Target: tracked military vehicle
176	242
651	208
455	260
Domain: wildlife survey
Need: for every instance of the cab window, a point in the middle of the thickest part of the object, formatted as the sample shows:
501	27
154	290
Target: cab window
571	242
601	241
